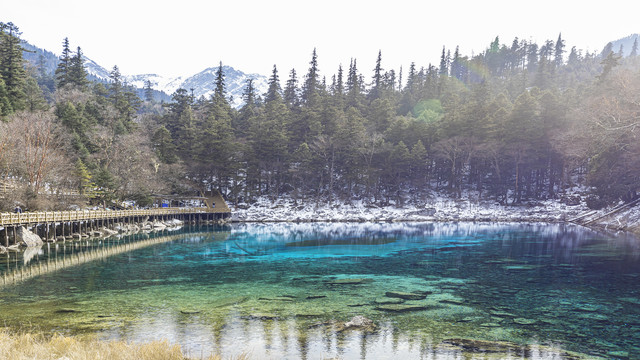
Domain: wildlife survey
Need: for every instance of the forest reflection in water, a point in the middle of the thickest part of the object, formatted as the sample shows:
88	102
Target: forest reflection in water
285	290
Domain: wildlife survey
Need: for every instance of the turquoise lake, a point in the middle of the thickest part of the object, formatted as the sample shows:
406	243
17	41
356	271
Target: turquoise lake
282	291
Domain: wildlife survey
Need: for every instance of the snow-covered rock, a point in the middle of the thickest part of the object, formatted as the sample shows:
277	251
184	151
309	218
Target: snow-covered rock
436	208
26	238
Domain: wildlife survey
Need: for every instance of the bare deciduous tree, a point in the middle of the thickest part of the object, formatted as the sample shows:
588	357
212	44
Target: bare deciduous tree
36	148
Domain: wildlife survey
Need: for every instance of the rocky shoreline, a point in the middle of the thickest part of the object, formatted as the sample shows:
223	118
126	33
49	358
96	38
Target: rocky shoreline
436	210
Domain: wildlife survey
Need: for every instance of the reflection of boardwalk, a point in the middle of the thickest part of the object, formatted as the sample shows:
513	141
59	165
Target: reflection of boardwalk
56	261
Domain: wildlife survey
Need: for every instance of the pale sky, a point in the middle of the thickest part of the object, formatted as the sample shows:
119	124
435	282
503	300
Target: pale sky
183	37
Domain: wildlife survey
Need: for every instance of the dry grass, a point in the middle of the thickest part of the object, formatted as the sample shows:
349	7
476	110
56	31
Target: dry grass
29	346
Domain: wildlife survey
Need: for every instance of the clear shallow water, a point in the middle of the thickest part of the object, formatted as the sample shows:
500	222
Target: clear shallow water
280	291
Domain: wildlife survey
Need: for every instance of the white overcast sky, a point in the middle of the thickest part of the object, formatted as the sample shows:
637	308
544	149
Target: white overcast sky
183	37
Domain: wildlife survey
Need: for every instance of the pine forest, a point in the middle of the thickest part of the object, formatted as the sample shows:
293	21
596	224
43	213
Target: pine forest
515	123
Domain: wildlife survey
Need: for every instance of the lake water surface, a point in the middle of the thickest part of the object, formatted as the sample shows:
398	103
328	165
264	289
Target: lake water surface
283	290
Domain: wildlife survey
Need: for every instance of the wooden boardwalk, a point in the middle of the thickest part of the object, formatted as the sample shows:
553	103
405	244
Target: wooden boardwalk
13	219
53	225
215	205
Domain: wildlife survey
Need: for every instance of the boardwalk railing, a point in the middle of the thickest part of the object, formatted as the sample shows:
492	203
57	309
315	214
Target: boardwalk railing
9	219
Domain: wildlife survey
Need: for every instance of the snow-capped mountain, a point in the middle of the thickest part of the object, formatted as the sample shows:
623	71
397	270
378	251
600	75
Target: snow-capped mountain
202	83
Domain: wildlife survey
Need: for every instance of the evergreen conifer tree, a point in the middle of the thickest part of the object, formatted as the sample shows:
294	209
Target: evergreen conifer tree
376	90
559	51
273	92
311	84
219	92
76	73
148	91
444	70
62	71
291	90
12	70
634	49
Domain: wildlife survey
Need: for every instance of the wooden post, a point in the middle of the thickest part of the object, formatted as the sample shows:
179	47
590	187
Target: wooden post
6	236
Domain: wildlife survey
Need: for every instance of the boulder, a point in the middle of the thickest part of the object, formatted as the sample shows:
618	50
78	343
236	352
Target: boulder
26	238
174	222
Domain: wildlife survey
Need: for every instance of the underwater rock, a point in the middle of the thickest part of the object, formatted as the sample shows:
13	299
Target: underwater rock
350	281
230	301
490	324
261	316
618	354
405	295
388	301
630	300
482	346
521	267
277	298
311	297
452	301
594	316
66	311
509	291
189	311
470	318
308	314
523	321
357	305
585	308
400	307
501	313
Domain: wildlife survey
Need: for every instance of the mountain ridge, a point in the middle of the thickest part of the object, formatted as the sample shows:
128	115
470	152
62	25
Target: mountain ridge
202	84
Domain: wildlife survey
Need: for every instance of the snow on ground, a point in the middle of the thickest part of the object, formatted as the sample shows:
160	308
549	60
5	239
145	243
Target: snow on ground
435	208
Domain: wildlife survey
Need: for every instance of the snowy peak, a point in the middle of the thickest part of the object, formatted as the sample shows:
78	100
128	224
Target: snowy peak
167	85
96	70
202	83
626	44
